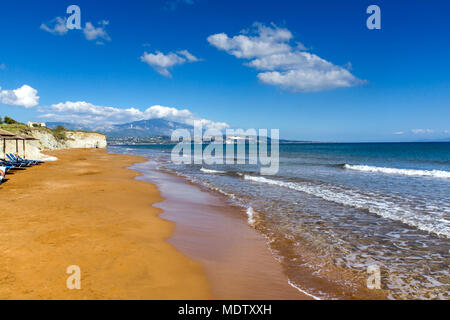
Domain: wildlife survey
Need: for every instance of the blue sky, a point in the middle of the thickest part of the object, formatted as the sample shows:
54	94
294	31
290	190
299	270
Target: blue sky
227	62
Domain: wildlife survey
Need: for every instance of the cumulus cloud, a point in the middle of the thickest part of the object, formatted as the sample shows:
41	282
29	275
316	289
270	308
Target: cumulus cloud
421	131
188	56
89	114
25	96
269	50
96	33
163	62
265	42
57	26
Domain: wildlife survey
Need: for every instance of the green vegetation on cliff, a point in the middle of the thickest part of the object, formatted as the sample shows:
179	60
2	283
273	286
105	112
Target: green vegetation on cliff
16	127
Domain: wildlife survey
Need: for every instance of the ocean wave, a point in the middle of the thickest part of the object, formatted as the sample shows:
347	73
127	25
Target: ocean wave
303	291
405	172
377	204
251	216
211	171
229	173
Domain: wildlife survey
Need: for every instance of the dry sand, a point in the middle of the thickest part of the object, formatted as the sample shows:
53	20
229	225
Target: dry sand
87	210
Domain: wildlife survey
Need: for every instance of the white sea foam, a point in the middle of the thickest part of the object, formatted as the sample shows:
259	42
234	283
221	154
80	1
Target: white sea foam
405	172
302	291
251	216
374	203
210	186
211	171
50	158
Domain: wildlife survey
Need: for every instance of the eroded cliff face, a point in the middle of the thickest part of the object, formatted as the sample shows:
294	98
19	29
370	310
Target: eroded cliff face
35	149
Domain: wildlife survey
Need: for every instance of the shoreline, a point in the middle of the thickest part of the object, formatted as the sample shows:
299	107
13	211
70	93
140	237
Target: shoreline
87	209
237	260
205	215
133	236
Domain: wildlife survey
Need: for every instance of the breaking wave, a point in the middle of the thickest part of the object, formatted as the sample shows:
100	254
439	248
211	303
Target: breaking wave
377	204
211	171
404	172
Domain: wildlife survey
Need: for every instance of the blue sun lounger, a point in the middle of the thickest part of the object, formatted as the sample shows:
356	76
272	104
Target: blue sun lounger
33	161
13	159
16	158
6	167
12	164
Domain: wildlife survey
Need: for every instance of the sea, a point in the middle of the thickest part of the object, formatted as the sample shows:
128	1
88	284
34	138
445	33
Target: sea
342	218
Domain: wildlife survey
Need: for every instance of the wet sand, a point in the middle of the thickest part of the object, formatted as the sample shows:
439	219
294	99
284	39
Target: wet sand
88	210
236	257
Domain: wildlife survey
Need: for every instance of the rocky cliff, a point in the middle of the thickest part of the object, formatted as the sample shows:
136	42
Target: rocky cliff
35	149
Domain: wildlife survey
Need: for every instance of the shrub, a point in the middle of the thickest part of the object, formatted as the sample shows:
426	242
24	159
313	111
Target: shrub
60	129
9	120
60	133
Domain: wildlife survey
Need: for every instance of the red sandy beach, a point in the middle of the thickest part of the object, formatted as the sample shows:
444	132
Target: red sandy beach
87	209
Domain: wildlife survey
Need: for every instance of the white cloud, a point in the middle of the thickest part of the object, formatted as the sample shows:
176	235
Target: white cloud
89	114
265	42
25	96
188	56
94	33
289	61
399	133
269	50
57	26
309	80
163	62
421	131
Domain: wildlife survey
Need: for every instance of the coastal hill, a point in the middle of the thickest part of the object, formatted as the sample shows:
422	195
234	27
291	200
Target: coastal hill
49	139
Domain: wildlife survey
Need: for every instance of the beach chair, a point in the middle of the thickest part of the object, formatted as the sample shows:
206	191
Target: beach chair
7	163
33	161
13	159
19	159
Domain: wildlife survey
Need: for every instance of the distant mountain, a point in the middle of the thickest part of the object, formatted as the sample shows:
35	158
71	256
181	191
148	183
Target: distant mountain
145	128
136	129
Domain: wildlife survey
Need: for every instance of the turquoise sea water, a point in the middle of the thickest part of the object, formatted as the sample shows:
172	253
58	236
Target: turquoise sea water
332	210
